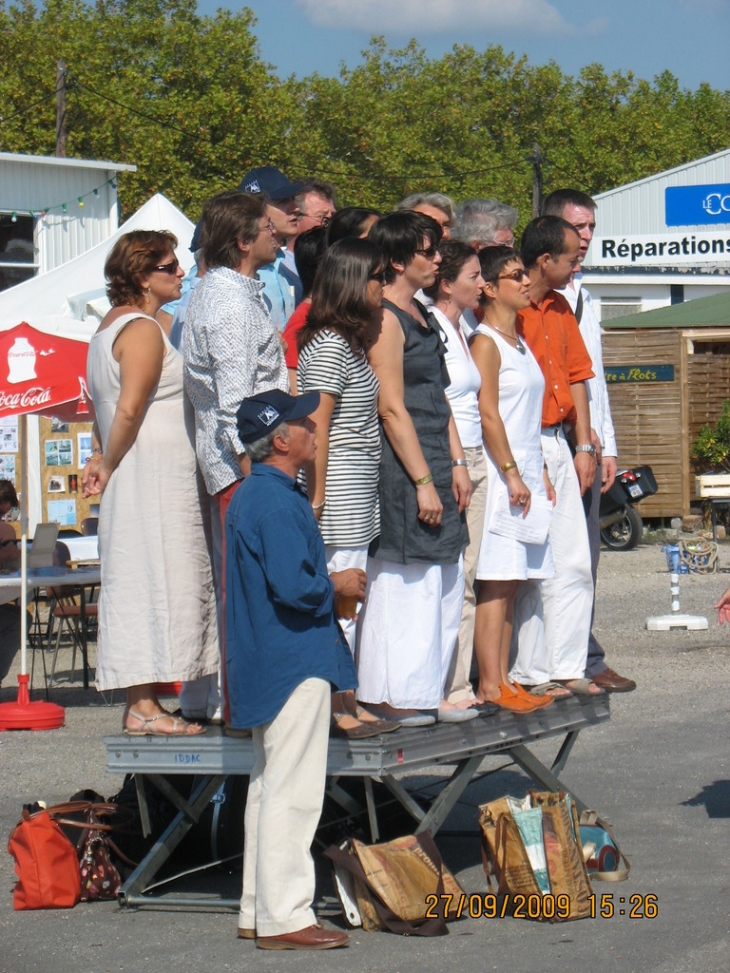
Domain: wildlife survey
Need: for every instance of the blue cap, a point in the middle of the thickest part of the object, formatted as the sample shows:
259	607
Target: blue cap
271	181
262	413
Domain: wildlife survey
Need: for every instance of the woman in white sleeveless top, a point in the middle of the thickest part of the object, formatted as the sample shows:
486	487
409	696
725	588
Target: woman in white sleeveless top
157	615
510	403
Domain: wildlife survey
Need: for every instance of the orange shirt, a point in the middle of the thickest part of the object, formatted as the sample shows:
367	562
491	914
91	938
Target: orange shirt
552	335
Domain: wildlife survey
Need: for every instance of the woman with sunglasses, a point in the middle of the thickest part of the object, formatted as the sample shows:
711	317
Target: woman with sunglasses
342	484
410	621
510	403
157	612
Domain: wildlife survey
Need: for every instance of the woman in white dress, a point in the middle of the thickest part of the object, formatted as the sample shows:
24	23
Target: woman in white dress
510	403
157	615
457	288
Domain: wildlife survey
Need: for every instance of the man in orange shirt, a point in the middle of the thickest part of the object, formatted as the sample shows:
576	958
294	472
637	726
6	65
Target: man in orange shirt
553	617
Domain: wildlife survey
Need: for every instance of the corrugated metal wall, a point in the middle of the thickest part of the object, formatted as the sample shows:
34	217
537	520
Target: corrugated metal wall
27	187
639	207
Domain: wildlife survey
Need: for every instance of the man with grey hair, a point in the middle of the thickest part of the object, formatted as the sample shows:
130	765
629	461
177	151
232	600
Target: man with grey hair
284	653
485	223
435	205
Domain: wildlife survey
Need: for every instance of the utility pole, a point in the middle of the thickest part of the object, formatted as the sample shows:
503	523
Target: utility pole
536	161
61	108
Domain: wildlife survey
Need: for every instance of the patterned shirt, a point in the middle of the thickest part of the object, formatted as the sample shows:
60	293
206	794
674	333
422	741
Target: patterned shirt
231	351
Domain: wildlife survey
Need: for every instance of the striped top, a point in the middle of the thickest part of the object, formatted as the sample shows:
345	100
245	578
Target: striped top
350	517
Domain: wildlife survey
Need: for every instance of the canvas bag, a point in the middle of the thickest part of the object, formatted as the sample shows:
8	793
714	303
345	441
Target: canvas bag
509	867
387	885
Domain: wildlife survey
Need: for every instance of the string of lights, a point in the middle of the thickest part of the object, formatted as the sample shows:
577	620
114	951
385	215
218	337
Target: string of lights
79	201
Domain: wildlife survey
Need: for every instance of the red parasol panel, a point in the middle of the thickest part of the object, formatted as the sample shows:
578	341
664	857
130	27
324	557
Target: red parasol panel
42	373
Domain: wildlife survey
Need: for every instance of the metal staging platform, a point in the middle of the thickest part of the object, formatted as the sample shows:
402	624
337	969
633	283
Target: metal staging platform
388	759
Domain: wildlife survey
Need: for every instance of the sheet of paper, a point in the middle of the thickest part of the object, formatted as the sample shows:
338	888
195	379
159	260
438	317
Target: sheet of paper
532	529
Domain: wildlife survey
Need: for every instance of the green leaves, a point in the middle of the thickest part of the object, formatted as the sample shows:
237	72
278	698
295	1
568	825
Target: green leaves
713	443
189	100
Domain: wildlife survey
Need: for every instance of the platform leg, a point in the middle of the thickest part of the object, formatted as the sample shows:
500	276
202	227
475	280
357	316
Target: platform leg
130	892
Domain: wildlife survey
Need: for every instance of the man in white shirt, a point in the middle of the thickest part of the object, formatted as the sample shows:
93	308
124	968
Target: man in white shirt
579	210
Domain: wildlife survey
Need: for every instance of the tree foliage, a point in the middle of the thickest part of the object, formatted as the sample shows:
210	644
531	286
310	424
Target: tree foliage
189	100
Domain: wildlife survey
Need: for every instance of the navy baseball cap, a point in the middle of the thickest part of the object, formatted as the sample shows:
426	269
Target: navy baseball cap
262	413
271	181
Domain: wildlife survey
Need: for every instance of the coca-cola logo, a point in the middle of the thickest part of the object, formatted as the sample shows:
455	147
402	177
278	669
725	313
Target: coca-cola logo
31	398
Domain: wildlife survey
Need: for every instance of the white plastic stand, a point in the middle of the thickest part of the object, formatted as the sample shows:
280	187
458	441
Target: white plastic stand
664	623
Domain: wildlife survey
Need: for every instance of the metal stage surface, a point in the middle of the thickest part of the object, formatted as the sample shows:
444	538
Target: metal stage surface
388	759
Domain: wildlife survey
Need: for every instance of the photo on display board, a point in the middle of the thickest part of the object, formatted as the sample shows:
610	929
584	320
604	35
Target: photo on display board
59	452
84	440
56	484
9	434
73	483
58	425
63	512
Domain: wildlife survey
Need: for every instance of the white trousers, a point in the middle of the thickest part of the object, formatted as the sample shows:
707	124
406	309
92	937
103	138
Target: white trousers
553	616
283	809
339	559
407	632
201	698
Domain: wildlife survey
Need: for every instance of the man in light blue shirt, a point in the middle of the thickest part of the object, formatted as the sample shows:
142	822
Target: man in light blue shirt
282	287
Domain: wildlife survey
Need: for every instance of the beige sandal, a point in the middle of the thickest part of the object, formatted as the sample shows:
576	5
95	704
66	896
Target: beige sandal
179	727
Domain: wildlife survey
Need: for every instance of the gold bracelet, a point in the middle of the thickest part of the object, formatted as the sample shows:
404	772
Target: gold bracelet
506	467
424	480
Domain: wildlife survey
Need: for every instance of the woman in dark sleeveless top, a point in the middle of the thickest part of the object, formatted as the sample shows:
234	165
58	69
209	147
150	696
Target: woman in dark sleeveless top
410	621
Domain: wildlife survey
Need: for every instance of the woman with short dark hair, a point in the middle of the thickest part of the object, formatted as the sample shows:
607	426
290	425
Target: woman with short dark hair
411	617
157	614
510	403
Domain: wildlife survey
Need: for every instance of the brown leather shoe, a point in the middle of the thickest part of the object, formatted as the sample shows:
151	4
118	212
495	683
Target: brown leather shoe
612	682
313	937
244	933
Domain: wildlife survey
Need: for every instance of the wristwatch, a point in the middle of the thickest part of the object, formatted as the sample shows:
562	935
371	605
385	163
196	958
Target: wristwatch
586	448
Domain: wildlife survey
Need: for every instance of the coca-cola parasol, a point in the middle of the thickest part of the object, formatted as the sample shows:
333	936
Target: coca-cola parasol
42	374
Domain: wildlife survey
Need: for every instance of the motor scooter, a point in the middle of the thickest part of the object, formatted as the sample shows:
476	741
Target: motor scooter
621	525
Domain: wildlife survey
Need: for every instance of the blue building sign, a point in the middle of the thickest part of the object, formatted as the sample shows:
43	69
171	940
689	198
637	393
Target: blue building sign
697	205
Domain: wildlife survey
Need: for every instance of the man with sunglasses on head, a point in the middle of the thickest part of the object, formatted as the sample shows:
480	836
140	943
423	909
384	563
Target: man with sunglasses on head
282	287
231	348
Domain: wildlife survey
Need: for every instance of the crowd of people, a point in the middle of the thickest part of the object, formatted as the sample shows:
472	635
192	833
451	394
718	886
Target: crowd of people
351	467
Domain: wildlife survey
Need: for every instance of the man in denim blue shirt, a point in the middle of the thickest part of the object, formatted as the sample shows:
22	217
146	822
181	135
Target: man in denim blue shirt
284	653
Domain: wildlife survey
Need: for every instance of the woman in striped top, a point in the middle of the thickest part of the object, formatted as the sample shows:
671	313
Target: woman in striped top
342	483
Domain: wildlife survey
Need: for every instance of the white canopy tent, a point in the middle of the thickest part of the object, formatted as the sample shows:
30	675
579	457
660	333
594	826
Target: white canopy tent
71	300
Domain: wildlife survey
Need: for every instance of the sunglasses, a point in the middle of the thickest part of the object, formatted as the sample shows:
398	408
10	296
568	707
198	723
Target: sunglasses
429	252
378	275
516	275
170	268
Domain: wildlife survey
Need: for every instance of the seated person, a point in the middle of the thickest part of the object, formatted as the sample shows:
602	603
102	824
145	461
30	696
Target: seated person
9	553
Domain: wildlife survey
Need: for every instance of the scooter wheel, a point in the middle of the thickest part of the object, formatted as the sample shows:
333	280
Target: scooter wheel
626	533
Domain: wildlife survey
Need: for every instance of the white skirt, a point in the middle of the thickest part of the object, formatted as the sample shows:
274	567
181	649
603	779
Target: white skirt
407	632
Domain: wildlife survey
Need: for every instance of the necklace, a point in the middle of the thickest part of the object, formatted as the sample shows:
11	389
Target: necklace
513	337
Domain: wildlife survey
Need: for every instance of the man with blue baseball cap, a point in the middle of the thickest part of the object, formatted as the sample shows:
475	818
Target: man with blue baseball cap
285	654
282	287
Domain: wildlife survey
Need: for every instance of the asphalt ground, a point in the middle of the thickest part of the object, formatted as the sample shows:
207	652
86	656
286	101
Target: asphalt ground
659	771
